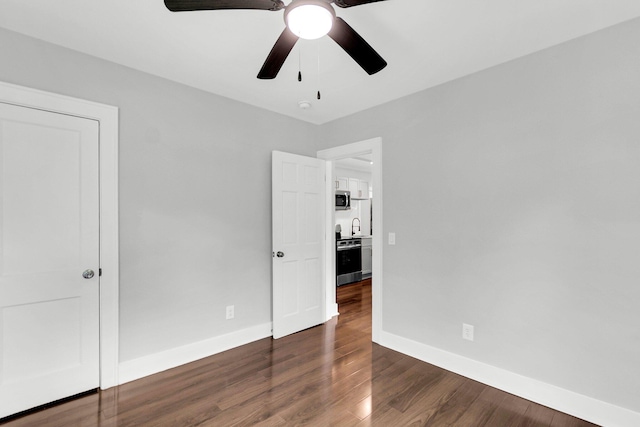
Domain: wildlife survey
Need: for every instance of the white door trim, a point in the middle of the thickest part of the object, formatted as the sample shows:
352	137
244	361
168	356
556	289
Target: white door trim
107	116
373	146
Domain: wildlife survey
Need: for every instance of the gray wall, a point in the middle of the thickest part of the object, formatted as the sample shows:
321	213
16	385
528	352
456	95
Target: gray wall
519	189
195	194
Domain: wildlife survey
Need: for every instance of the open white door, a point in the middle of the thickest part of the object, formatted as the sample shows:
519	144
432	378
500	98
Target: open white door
298	203
49	255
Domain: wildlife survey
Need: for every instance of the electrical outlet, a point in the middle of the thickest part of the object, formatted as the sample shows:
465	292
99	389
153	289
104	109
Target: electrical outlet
392	238
230	312
467	332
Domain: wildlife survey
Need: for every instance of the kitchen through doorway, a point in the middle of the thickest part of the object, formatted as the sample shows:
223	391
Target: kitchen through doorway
355	168
353	227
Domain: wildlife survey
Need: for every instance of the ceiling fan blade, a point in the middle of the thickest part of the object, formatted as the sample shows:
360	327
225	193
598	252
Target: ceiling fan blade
356	47
278	54
351	3
190	5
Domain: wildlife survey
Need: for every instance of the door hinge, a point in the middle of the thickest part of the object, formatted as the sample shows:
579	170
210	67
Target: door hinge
99	272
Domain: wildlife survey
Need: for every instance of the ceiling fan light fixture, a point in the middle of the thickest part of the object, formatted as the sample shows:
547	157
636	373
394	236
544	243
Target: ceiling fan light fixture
309	19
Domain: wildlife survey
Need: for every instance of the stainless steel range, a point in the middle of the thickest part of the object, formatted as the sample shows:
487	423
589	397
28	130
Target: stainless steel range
348	261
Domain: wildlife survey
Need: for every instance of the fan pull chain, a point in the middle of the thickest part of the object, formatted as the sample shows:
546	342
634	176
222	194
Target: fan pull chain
299	66
318	46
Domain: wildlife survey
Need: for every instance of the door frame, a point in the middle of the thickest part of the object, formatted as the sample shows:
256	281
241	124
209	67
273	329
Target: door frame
107	117
374	147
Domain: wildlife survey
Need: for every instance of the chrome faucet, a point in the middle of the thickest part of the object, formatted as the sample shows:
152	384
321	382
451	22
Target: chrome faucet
359	229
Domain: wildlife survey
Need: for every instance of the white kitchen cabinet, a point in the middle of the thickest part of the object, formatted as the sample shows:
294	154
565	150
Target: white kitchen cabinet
359	189
342	183
353	187
363	189
367	255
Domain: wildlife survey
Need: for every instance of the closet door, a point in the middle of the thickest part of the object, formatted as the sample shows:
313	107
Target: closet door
49	257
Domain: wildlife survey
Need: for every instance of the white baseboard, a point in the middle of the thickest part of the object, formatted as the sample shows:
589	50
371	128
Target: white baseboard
158	362
566	401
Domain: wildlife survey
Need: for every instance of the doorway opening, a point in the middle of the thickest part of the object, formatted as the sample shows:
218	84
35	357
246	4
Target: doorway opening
353	224
371	150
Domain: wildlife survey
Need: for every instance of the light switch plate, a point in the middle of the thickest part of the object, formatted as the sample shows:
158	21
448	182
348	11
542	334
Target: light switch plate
392	238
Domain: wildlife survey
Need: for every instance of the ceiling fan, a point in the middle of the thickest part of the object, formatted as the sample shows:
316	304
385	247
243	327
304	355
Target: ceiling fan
308	19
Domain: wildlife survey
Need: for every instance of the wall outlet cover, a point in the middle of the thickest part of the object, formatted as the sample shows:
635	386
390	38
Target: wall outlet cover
467	332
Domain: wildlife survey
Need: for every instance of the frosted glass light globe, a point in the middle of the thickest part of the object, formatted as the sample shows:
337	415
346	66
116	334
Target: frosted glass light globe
310	21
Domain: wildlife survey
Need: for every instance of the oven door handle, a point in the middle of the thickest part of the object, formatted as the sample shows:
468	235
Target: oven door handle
346	248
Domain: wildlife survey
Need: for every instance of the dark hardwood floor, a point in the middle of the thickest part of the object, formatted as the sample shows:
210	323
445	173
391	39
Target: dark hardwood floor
330	375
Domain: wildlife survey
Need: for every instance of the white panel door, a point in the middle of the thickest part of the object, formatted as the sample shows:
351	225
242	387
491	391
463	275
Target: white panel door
298	202
49	319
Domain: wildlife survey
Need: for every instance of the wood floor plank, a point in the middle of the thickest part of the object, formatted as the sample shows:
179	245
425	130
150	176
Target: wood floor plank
330	375
426	404
412	389
482	409
449	412
510	411
537	416
564	420
274	421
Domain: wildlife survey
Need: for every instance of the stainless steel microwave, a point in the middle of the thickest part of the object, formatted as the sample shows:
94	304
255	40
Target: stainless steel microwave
343	200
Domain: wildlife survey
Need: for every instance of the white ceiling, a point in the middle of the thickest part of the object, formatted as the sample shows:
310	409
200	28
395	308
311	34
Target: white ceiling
425	42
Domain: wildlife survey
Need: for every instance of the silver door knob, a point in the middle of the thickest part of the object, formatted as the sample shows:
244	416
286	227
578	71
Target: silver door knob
88	274
280	254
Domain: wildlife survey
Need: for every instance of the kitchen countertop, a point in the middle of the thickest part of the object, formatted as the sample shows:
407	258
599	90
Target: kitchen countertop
357	236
